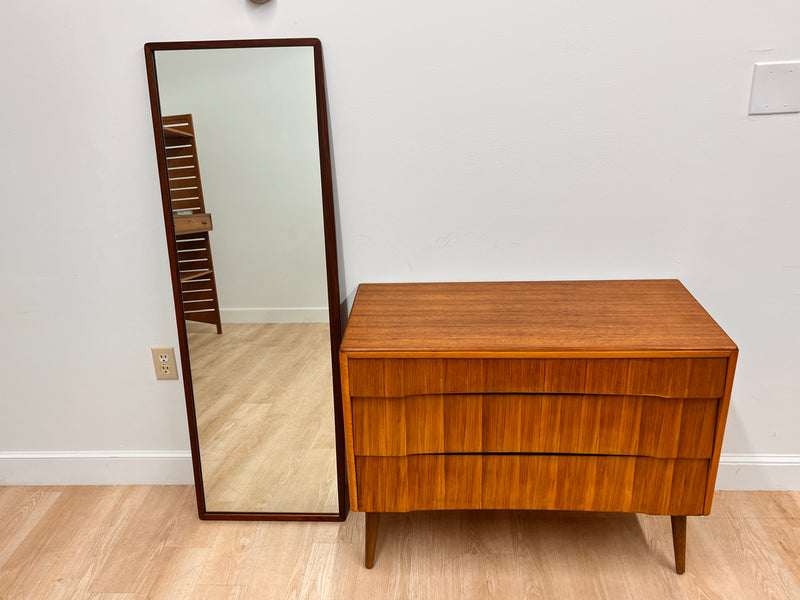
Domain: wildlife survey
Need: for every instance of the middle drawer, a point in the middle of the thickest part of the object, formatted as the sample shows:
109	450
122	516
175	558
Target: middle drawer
534	423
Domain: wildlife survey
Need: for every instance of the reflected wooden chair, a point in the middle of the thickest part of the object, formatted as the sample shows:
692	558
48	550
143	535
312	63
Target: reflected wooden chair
192	222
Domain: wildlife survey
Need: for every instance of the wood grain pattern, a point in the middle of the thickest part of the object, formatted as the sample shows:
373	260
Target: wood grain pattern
566	424
679	542
265	420
371	539
531	316
722	418
192	223
104	543
667	377
531	481
192	241
347	423
596	396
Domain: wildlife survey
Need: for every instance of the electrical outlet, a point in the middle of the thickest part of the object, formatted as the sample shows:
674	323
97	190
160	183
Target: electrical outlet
164	362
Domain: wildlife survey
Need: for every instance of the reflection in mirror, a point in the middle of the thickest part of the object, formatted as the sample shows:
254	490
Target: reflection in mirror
243	168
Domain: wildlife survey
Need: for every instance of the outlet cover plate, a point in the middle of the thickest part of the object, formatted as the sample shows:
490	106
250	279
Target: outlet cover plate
776	88
164	362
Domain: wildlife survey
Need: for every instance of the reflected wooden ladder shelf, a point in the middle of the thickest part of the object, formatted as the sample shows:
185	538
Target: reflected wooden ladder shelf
192	222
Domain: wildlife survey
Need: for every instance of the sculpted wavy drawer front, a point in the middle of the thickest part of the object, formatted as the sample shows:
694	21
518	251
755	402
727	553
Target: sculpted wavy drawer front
564	424
666	377
537	482
587	396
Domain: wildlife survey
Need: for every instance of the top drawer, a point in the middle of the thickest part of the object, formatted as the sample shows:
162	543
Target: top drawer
666	377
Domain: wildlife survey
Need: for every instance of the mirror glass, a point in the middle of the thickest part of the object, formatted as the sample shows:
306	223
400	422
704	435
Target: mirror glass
242	152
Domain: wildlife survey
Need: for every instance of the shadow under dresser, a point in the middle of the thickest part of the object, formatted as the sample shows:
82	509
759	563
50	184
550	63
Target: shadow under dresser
583	395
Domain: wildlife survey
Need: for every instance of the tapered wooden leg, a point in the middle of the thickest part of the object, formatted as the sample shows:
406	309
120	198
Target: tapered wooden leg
371	538
679	542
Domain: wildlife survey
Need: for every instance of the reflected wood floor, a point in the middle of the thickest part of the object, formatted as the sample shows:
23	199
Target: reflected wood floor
136	542
264	402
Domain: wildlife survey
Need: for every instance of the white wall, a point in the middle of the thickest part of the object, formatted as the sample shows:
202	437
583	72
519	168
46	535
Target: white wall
255	120
472	141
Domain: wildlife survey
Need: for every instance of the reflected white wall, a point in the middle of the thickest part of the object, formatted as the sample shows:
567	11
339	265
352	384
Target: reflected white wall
254	113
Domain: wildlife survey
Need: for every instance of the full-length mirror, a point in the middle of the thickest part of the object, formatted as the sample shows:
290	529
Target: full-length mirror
242	143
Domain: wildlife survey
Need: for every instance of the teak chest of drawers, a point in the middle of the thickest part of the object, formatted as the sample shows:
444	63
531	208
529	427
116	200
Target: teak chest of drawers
583	395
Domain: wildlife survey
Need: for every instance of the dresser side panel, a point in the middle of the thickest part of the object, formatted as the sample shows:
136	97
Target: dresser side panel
347	413
721	420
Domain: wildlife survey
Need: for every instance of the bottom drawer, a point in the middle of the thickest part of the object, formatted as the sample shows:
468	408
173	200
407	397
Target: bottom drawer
531	481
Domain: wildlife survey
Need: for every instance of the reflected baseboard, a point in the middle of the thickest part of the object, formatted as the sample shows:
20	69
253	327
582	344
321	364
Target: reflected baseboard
96	468
274	315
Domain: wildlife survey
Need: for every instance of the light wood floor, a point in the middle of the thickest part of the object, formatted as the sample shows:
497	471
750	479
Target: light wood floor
264	400
136	542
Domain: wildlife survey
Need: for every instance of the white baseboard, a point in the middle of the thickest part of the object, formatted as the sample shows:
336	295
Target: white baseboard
274	315
771	472
736	471
96	468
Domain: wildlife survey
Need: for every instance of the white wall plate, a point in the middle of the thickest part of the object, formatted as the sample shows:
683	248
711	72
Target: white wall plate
776	88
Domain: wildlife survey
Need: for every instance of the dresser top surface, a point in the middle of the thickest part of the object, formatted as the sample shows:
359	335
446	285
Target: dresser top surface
658	316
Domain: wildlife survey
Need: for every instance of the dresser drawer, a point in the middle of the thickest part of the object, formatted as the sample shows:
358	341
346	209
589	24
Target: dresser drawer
538	482
544	423
563	395
666	377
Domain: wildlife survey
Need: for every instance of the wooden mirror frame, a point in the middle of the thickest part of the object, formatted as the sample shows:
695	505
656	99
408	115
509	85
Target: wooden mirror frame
331	261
